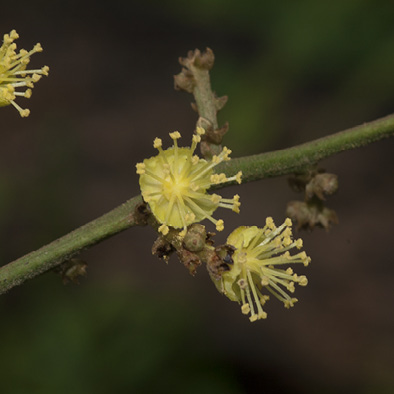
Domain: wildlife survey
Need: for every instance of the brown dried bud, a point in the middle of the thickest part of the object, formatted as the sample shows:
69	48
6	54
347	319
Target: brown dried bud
162	249
216	136
184	81
141	214
220	102
204	60
320	185
307	215
208	150
220	261
190	260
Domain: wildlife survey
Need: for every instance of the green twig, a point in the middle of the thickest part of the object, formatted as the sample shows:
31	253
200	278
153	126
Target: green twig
302	157
194	78
61	250
254	167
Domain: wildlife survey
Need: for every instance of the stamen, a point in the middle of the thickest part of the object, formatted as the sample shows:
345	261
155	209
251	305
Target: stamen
157	143
200	131
140	168
164	229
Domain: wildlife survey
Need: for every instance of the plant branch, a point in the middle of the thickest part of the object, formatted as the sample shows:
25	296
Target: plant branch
194	78
62	249
301	157
281	162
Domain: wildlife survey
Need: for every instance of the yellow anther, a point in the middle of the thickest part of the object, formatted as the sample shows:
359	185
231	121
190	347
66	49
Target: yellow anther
45	70
245	309
200	131
238	177
290	287
36	77
220	225
164	229
195	160
264	299
24	113
196	138
216	198
157	143
216	159
37	48
302	280
140	168
175	135
290	302
269	223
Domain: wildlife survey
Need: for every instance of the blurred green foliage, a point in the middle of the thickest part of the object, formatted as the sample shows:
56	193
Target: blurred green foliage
105	339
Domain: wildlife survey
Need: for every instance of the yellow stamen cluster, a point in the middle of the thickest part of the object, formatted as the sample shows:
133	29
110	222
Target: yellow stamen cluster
175	182
259	252
13	73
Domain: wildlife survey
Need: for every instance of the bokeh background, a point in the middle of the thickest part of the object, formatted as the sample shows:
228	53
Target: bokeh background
293	71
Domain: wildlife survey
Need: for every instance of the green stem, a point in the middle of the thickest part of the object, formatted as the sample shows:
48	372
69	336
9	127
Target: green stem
301	157
254	167
62	249
205	99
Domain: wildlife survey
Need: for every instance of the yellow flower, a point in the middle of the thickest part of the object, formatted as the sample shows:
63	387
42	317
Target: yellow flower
256	265
13	73
175	182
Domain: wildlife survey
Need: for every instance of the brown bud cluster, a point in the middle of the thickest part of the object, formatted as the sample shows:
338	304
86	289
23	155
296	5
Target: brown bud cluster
195	248
312	212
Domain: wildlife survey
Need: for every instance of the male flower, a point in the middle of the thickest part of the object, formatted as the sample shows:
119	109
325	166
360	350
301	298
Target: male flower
175	182
256	266
13	73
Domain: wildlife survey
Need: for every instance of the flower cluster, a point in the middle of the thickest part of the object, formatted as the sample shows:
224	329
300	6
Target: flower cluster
257	265
175	182
13	73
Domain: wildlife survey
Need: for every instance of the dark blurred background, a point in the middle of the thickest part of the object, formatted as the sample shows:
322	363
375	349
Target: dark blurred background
294	71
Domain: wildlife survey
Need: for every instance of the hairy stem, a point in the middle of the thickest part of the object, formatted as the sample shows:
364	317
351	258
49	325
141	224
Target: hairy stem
301	157
194	78
62	249
254	167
